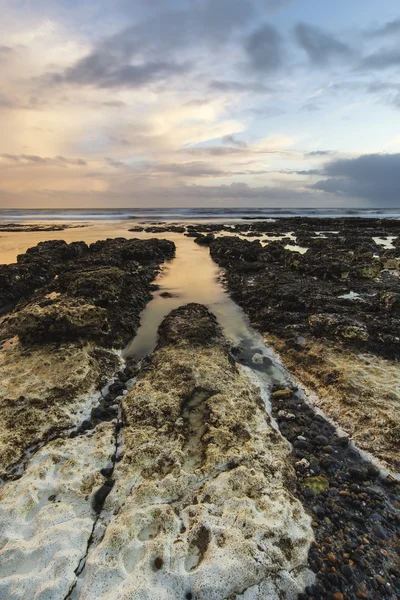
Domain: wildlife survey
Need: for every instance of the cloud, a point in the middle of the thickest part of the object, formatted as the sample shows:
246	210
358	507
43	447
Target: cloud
264	49
374	177
382	59
321	47
235	87
319	153
158	48
199	169
34	158
92	70
232	141
389	28
214	150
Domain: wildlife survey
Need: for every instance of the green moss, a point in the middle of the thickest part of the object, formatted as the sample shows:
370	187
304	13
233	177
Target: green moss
317	484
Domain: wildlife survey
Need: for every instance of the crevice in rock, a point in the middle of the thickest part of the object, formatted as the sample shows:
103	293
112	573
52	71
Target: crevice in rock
101	522
194	413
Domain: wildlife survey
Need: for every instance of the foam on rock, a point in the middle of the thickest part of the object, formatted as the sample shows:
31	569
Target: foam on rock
202	505
46	517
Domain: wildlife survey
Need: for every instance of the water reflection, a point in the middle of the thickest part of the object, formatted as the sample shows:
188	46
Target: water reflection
191	277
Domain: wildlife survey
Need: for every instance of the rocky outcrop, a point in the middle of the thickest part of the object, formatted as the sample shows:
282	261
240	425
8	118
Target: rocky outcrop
45	391
360	392
61	320
203	498
50	369
290	294
26	228
333	314
109	281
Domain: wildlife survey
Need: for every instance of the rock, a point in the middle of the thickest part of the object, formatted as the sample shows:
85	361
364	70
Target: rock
59	322
282	394
379	532
358	473
45	391
373	471
100	496
205	240
190	495
321	440
203	330
317	484
46	518
94	293
392	264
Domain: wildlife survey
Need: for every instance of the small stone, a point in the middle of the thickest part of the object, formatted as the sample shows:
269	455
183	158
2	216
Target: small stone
332	558
347	571
373	470
282	394
322	440
358	473
337	596
379	532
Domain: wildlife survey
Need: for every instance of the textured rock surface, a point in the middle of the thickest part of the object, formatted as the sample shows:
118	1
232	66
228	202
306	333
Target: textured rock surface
333	313
59	321
45	390
50	372
359	392
338	290
94	292
203	498
46	517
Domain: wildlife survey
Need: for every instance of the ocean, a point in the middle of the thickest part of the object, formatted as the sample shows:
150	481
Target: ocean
188	214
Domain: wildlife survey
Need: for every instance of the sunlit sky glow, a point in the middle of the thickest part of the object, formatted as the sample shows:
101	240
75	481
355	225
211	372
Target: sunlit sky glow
140	103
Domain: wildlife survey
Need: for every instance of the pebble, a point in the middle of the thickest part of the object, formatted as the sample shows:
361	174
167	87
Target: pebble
322	440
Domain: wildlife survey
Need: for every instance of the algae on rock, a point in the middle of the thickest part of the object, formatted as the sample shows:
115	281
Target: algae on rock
202	501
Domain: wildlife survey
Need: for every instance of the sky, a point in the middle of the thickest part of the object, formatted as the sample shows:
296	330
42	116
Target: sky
157	103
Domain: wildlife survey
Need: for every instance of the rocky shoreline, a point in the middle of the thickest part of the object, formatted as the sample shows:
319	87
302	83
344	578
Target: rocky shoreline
203	503
333	316
169	478
77	304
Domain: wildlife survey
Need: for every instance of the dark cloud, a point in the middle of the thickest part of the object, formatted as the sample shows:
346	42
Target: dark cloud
227	150
321	47
264	49
193	169
390	28
319	153
111	74
232	141
196	169
235	87
382	59
214	150
44	160
374	177
152	51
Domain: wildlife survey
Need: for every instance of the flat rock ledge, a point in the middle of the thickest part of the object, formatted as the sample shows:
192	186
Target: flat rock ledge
75	305
202	506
